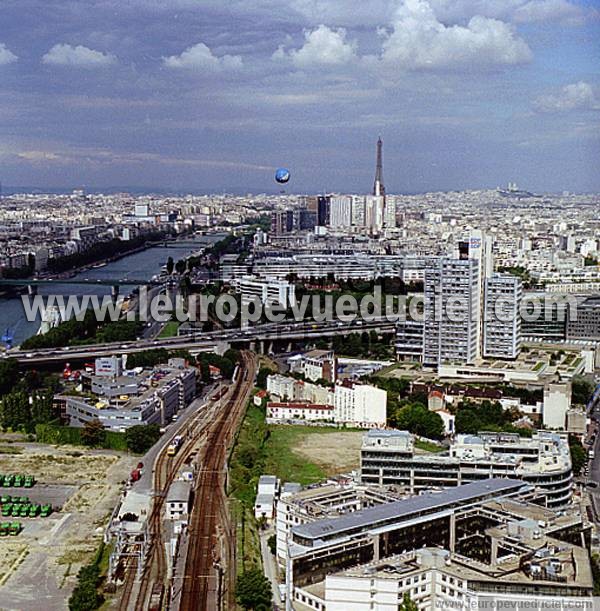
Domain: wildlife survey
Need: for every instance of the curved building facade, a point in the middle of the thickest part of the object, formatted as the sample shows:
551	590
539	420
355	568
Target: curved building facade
544	460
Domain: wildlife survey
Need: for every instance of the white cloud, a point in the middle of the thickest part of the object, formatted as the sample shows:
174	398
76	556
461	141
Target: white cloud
6	55
419	41
549	10
67	55
377	12
369	14
519	11
200	57
576	96
322	47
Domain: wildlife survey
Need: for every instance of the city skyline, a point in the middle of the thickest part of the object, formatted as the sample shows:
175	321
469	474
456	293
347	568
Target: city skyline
465	95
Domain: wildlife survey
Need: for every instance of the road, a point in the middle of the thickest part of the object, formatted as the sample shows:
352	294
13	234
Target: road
269	564
593	478
206	341
145	483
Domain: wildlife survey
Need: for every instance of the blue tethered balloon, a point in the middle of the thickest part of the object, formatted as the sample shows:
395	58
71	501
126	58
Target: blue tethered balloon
282	175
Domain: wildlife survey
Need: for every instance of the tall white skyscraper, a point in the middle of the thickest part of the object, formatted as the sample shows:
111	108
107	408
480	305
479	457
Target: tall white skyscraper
478	246
502	320
340	211
389	213
374	209
358	211
452	310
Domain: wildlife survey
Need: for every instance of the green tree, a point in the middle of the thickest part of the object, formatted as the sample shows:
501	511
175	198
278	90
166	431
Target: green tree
272	543
93	433
578	454
85	596
261	378
170	265
253	590
581	390
41	408
417	419
15	410
408	604
9	370
142	437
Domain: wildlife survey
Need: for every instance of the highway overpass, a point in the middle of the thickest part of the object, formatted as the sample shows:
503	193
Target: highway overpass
204	342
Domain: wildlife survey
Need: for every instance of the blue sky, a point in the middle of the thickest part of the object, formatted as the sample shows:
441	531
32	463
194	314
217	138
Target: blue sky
211	96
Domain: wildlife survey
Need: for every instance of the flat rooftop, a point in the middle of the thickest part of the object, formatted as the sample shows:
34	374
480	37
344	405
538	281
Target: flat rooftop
429	503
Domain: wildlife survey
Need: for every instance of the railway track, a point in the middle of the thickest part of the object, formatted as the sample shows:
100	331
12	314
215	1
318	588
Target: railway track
165	470
201	589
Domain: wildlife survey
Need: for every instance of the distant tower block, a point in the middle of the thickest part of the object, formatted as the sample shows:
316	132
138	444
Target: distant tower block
378	186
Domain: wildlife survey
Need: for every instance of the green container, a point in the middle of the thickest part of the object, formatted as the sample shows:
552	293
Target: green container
8	481
16	528
34	511
5	498
46	511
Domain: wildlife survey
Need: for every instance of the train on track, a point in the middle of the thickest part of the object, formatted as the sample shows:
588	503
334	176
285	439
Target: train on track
219	394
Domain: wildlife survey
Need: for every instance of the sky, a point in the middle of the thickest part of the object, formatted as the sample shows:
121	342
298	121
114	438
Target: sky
212	96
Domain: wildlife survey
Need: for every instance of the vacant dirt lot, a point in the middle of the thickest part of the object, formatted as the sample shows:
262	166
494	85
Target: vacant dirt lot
335	452
41	564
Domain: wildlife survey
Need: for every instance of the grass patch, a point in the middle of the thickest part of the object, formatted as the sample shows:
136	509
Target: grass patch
427	446
260	450
283	462
169	330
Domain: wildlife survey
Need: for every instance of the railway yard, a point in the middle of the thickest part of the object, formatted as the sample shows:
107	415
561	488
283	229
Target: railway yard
163	571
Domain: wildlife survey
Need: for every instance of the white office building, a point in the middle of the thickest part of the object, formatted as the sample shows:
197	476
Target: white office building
264	506
502	320
451	311
557	403
359	404
544	460
340	211
268	290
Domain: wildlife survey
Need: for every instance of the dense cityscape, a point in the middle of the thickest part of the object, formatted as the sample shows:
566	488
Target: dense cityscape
382	461
300	305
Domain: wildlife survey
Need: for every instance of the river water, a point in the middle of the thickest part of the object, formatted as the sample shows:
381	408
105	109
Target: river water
141	265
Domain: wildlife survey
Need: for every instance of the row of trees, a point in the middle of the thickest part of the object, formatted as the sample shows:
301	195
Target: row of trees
138	439
180	267
471	417
85	596
365	344
74	332
25	399
21	411
103	250
579	454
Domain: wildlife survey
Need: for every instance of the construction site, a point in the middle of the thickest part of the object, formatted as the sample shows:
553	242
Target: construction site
55	503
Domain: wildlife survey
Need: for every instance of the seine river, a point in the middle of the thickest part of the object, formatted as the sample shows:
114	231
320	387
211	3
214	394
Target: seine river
142	265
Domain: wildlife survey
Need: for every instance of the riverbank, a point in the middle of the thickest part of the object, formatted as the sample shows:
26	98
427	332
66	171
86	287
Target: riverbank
142	264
